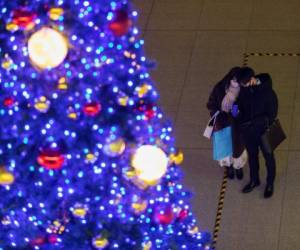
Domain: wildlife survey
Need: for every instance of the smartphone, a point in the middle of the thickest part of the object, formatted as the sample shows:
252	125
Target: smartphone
235	110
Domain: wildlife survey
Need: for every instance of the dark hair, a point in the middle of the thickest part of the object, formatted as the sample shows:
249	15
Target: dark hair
233	72
244	75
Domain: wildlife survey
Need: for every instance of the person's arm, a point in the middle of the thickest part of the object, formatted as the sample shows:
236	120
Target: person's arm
213	104
271	100
272	106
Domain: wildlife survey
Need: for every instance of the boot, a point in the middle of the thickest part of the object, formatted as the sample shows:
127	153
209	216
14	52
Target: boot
230	172
239	173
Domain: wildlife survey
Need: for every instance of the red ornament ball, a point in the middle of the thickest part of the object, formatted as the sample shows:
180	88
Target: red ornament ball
51	159
164	216
52	238
183	214
92	109
9	101
148	110
37	242
120	24
23	18
149	113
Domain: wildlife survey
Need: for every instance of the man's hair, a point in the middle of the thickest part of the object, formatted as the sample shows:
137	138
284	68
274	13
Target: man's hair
232	73
244	75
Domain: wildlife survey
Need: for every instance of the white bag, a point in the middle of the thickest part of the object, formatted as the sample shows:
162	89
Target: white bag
210	127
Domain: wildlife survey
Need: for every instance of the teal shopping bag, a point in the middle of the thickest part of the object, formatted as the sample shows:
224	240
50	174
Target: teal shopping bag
222	143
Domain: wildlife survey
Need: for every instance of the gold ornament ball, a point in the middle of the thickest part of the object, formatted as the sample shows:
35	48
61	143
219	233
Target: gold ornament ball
90	158
80	210
100	242
62	84
141	91
177	158
123	100
6	178
7	62
47	48
55	13
42	104
139	207
115	148
192	230
12	27
71	113
147	245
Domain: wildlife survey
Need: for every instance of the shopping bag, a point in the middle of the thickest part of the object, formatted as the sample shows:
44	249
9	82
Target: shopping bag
222	143
210	126
273	136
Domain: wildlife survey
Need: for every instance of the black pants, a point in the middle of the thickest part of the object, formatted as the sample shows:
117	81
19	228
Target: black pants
252	135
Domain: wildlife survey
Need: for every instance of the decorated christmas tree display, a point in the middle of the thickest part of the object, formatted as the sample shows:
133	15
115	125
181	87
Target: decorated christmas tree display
87	158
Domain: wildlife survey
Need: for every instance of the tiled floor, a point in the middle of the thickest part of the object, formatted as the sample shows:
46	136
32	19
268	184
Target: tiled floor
194	43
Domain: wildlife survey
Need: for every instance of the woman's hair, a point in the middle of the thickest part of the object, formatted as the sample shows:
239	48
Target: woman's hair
232	73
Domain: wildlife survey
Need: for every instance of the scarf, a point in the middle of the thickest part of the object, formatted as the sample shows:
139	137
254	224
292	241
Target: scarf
231	95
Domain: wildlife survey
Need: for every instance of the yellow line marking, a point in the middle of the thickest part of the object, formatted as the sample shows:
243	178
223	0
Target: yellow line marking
217	225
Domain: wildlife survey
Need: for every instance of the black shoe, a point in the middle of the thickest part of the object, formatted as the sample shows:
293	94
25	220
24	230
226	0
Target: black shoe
269	190
239	173
250	186
230	172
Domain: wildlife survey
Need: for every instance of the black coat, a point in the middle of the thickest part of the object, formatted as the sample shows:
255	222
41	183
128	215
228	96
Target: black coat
225	119
214	104
258	104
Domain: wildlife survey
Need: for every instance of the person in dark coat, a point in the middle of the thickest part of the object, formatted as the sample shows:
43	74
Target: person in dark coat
222	99
258	107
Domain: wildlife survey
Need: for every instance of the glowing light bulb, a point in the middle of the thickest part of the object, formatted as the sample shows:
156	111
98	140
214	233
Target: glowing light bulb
47	48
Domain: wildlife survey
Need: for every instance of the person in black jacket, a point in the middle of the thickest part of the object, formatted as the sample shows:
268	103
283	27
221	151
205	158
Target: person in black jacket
258	107
221	99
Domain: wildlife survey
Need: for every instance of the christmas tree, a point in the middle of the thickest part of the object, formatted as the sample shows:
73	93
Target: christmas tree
87	159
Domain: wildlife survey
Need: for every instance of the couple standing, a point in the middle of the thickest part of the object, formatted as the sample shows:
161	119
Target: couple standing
249	105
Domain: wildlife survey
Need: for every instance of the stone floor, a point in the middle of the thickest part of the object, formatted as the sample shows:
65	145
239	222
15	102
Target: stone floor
195	42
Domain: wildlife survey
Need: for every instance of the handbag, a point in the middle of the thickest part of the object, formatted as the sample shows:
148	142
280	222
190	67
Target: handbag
273	136
222	143
210	126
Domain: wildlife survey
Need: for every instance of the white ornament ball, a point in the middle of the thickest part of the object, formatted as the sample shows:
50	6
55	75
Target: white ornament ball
47	48
150	163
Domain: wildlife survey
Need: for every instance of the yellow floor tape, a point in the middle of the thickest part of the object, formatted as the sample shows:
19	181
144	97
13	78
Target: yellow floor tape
219	210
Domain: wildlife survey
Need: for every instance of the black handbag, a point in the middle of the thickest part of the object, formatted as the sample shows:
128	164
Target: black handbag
273	136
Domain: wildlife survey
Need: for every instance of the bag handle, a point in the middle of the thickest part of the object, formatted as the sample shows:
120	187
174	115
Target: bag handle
214	118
